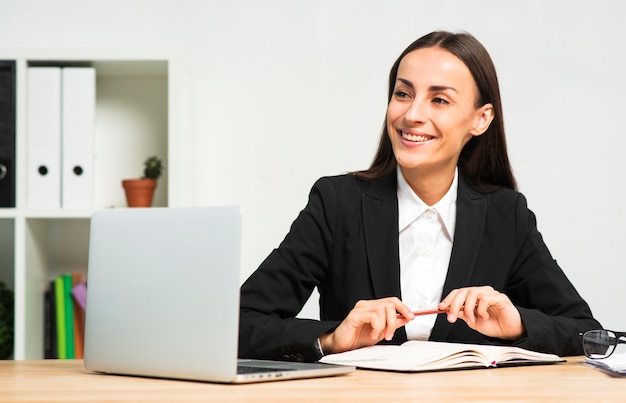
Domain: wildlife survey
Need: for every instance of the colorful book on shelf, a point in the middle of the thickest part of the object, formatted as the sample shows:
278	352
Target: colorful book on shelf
59	293
417	356
68	305
50	327
79	294
64	317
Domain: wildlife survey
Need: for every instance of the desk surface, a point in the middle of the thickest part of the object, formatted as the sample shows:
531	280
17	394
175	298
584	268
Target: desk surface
55	380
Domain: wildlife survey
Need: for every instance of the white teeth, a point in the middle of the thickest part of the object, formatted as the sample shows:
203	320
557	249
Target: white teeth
412	137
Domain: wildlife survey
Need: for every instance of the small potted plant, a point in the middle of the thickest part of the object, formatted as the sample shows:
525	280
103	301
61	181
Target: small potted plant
139	192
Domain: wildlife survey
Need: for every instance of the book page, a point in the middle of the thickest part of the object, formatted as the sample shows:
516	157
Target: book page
411	356
502	354
417	355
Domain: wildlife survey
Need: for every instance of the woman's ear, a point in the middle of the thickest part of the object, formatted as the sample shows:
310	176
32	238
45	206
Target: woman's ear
484	116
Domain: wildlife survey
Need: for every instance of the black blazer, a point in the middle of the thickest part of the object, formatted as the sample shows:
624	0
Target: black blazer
345	243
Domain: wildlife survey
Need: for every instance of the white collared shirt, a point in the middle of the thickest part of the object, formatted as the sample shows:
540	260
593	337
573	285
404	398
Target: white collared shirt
425	242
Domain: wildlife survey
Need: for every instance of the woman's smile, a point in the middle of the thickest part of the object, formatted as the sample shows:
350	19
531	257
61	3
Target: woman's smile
416	138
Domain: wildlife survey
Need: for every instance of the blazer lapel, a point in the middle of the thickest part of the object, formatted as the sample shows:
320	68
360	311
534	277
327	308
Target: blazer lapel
471	212
380	226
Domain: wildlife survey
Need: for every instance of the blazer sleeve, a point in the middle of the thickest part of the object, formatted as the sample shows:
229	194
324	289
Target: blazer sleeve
276	292
552	311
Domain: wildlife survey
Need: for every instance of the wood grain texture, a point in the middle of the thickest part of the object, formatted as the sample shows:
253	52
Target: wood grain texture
68	381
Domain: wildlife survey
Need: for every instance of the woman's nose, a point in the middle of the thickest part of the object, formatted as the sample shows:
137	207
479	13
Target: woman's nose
416	111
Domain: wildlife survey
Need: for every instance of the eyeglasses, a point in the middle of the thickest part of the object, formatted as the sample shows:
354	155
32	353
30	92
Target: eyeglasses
601	343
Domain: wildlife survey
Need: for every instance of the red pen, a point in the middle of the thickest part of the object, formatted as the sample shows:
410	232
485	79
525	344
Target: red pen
433	311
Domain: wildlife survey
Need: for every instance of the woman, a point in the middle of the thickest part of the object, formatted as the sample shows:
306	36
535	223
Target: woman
436	215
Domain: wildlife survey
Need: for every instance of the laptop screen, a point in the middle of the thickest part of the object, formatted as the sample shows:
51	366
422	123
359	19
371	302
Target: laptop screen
163	292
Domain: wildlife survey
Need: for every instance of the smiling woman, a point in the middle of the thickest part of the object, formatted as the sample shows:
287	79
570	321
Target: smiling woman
484	161
432	114
434	223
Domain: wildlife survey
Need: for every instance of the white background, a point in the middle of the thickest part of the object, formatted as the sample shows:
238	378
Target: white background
282	92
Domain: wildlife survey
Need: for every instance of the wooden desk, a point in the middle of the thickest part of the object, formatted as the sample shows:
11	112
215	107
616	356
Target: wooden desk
55	380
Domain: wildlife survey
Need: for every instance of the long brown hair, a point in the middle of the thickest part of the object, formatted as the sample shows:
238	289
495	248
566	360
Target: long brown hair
484	161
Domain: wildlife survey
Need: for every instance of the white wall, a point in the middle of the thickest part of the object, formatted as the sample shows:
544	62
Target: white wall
283	92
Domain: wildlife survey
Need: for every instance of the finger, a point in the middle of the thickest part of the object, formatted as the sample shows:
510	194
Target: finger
469	305
377	322
492	302
456	304
363	316
381	316
482	307
445	303
394	307
486	297
402	315
391	322
403	312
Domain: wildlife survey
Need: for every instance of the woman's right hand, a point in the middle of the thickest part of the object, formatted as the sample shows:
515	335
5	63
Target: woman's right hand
367	323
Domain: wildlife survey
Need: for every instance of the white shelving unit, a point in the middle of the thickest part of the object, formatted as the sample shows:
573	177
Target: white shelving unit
138	114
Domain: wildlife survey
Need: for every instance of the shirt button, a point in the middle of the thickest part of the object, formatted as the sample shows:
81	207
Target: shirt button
424	253
430	214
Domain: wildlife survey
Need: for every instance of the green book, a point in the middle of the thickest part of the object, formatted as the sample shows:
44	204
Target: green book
69	316
59	286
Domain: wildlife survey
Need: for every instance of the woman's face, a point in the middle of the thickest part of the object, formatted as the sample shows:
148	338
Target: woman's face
432	113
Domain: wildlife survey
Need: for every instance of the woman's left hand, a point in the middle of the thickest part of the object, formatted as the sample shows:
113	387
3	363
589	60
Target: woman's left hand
485	310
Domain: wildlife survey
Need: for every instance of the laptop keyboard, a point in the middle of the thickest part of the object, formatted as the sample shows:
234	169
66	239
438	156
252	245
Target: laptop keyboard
246	369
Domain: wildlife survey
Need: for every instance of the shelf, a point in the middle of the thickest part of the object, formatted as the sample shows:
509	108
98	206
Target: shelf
132	122
131	125
8	212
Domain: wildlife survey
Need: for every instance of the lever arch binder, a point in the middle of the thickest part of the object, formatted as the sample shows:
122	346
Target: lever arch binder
7	133
78	106
44	137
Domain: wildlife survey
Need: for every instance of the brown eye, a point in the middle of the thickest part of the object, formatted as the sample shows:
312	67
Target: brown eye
400	94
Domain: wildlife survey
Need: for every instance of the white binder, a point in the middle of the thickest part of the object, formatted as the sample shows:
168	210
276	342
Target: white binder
78	108
44	137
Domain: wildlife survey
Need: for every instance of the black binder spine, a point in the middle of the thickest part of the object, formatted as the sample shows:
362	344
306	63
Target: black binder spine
7	133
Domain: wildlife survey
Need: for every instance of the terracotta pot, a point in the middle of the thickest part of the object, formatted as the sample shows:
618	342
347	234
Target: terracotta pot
139	192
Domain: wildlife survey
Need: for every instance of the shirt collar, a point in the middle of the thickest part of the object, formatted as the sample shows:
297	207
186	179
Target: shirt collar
410	206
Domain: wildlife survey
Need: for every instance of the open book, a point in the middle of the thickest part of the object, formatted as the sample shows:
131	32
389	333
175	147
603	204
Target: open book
414	356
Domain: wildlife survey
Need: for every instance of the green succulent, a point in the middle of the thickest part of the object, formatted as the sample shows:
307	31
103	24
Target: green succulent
152	167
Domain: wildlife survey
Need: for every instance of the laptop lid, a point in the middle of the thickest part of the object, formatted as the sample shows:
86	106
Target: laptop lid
163	296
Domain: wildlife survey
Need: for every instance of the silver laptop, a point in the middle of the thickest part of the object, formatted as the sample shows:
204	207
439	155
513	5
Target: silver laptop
163	298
